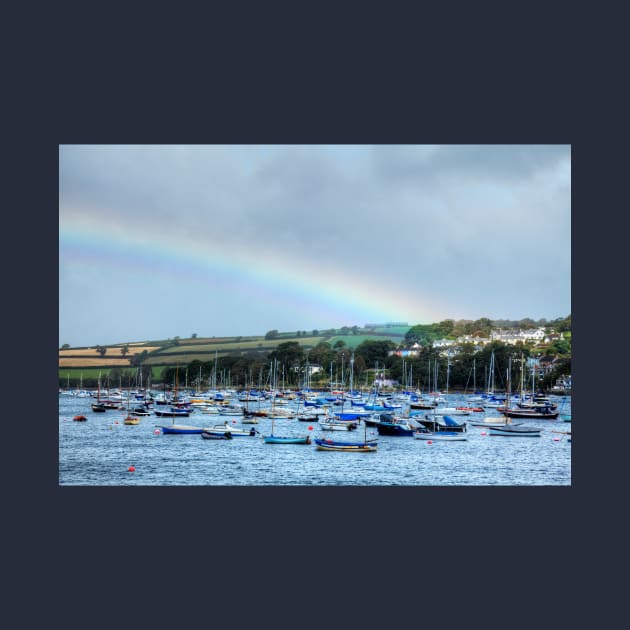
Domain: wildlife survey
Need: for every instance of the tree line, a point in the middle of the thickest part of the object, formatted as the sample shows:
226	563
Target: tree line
466	369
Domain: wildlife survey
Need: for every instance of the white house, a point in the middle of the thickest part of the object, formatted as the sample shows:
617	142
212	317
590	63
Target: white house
513	337
443	343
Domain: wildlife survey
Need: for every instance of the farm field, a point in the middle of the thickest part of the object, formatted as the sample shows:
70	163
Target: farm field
162	353
93	362
112	351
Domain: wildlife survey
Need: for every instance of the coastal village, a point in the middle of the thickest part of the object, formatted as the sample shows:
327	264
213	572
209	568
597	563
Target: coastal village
540	365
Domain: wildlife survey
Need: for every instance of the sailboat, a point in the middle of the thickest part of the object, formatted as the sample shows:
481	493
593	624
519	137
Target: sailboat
349	418
541	412
226	431
178	429
98	405
509	429
492	421
440	426
277	439
129	418
366	446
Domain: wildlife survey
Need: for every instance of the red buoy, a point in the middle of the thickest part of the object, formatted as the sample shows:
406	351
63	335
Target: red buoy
483	433
310	428
429	442
157	432
131	469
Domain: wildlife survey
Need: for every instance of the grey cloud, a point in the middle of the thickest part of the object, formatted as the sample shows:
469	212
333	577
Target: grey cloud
425	164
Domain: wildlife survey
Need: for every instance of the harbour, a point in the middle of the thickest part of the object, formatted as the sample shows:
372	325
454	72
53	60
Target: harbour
103	451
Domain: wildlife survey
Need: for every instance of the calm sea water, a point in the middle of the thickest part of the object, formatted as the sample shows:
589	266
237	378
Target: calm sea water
100	451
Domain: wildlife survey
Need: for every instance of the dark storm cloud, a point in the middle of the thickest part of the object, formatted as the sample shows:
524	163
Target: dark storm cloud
433	220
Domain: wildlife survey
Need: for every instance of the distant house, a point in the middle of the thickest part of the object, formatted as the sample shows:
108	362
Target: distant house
443	343
477	341
513	337
551	337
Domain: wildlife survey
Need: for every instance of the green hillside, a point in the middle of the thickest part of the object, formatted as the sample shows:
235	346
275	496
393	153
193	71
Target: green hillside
161	353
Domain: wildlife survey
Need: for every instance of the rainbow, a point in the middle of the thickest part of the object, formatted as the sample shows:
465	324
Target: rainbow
319	291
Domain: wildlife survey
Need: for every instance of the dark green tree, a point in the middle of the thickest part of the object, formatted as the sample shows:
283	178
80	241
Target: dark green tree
559	347
481	327
445	328
373	350
562	324
321	354
138	359
289	353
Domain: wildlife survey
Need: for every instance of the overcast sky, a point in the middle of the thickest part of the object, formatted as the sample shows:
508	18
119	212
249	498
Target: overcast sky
164	241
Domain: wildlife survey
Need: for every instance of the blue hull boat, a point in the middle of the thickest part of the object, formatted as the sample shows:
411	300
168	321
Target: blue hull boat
180	429
172	413
351	415
394	427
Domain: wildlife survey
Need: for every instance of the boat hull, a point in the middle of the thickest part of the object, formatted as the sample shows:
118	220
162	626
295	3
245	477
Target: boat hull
180	430
442	436
171	414
274	439
364	448
386	428
514	431
213	435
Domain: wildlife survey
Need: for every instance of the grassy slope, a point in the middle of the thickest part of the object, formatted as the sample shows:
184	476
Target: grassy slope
76	360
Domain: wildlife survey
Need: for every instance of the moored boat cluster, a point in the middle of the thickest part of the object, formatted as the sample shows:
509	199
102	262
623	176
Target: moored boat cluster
428	417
